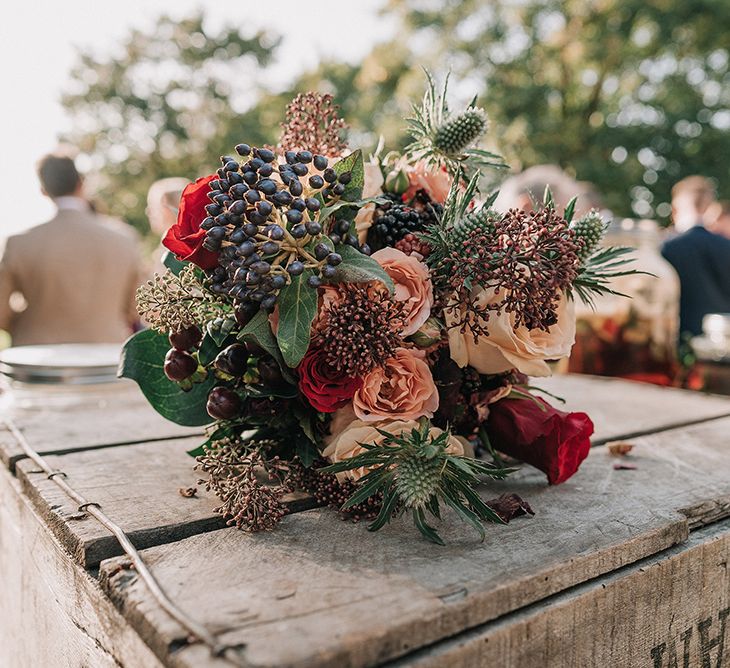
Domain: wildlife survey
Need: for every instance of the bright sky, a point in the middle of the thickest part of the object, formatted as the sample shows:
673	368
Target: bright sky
39	39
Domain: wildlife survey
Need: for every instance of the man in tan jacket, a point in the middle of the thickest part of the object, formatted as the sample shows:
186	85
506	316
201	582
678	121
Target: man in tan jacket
75	275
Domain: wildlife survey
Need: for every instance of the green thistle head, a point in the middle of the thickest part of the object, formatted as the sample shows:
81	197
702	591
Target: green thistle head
462	131
481	220
589	230
445	139
415	473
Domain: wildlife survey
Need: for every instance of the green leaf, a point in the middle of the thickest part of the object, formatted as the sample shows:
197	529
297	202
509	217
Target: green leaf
208	350
142	360
570	210
306	451
221	432
220	328
359	268
258	331
327	211
354	164
297	309
173	264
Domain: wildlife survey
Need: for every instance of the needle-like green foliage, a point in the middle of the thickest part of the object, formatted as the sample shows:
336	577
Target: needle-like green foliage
416	474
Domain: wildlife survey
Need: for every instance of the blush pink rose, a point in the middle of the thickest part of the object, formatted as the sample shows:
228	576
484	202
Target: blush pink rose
508	347
346	443
436	182
402	388
412	286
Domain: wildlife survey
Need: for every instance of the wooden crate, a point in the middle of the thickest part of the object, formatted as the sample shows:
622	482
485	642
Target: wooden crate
617	568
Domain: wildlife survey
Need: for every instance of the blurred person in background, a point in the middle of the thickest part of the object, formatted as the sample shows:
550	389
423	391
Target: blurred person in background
163	199
700	257
72	279
718	218
526	190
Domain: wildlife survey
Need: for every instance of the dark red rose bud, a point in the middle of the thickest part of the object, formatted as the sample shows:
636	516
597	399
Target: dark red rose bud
186	339
223	403
269	371
326	388
232	360
532	430
179	365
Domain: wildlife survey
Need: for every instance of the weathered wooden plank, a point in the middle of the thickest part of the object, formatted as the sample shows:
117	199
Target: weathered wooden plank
53	612
671	610
623	409
63	420
317	592
136	485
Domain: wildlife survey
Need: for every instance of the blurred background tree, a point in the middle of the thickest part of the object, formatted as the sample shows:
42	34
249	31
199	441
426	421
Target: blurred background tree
165	103
630	95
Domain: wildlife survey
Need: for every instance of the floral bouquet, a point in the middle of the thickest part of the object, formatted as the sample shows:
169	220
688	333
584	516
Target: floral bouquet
364	332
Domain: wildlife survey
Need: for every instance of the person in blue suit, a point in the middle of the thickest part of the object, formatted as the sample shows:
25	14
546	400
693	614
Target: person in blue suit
701	258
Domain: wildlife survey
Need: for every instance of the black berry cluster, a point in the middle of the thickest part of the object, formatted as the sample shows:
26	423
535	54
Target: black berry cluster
263	222
395	219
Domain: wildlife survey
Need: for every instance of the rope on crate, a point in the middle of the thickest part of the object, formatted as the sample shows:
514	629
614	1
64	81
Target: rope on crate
195	629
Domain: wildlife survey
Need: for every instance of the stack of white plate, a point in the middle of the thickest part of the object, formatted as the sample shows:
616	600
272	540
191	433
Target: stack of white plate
62	364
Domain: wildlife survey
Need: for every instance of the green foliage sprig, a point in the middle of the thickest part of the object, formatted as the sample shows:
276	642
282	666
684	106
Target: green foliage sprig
171	302
415	474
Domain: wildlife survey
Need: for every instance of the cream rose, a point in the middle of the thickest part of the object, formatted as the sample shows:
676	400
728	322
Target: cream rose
508	347
402	388
346	444
412	286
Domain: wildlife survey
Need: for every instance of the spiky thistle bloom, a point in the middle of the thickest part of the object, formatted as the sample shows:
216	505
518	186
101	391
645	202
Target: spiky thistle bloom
445	139
361	330
589	231
313	123
231	466
414	473
480	221
460	132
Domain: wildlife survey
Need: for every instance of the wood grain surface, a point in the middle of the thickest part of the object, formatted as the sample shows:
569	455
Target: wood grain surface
63	420
318	592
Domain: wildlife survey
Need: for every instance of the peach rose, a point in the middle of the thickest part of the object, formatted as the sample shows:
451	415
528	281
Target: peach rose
508	347
402	388
372	188
436	182
346	444
412	286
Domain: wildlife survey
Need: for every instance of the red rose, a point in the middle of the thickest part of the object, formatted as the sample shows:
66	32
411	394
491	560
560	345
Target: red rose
326	388
548	439
185	238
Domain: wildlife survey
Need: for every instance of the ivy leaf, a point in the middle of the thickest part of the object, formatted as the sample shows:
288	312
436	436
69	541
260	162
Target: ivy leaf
354	164
220	328
142	360
359	268
173	264
306	451
297	309
327	211
221	432
258	331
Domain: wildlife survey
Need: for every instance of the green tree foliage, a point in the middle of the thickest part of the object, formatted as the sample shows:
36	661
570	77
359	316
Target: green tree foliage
631	95
166	103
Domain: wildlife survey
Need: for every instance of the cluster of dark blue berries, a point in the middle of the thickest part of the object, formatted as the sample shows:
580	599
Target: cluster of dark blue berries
263	220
